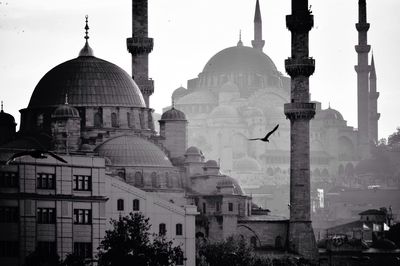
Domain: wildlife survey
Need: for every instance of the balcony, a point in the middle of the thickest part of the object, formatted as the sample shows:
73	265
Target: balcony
300	67
299	111
300	23
139	45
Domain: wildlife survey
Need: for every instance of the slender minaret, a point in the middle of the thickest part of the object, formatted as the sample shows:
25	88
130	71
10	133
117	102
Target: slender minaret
373	104
258	43
362	69
300	111
140	45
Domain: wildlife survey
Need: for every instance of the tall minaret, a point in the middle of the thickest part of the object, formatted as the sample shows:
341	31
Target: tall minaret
140	45
258	43
362	70
373	104
300	111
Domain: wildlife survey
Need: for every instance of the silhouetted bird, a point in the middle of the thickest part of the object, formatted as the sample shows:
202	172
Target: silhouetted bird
265	139
38	154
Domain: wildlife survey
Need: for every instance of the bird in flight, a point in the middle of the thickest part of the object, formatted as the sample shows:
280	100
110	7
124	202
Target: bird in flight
265	139
38	154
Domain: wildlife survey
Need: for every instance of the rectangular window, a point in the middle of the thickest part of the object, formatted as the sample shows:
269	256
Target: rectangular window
46	181
218	206
204	207
162	229
46	215
136	205
82	182
83	250
9	249
46	248
9	179
9	214
179	229
230	206
82	216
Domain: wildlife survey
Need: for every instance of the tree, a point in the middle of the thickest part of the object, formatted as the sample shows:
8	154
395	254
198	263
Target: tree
394	234
394	139
38	258
128	243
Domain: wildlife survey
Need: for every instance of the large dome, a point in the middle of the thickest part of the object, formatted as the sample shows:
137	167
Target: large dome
240	59
88	81
133	151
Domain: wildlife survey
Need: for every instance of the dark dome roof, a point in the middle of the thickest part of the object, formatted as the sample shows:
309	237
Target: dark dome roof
6	119
65	111
173	114
192	150
240	59
227	181
212	163
88	81
133	151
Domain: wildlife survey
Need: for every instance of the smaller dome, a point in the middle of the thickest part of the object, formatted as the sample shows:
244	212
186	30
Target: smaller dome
6	119
193	151
229	87
228	181
179	92
246	164
65	111
173	114
224	111
331	114
211	163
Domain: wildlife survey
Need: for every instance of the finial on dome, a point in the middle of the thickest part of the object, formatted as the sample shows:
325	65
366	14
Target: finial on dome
240	43
86	50
173	104
66	99
2	107
329	107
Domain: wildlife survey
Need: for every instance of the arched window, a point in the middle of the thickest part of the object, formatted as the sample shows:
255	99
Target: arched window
139	179
39	121
162	230
128	118
98	120
120	205
168	180
179	229
253	241
114	120
136	205
278	242
154	179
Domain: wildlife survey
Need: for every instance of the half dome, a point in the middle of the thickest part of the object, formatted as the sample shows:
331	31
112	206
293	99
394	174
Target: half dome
173	114
88	81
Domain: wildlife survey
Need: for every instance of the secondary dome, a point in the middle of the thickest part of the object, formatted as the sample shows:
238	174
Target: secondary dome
331	114
88	81
133	151
179	92
65	111
173	114
6	119
246	164
240	59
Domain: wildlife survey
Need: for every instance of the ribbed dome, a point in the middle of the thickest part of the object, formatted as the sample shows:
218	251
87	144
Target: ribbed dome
133	151
6	119
228	181
65	111
246	164
88	81
179	92
240	59
173	114
331	114
193	151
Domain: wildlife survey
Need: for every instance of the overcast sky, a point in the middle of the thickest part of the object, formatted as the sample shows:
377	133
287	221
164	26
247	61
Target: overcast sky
38	35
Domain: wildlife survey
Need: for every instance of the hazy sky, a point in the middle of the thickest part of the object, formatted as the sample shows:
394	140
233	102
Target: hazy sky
38	35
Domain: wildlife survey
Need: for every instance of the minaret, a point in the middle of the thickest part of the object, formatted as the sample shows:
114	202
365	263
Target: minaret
258	43
362	69
140	45
373	104
300	111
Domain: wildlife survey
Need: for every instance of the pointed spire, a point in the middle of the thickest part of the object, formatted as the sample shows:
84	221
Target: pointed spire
2	110
173	104
86	50
66	99
372	74
240	43
257	14
258	43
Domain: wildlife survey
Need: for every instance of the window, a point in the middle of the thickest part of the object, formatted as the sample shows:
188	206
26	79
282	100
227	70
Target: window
128	118
46	215
114	120
120	205
82	182
82	216
139	179
8	179
9	249
162	229
179	229
179	259
9	214
218	206
136	205
46	181
154	181
98	120
168	180
230	206
83	250
46	248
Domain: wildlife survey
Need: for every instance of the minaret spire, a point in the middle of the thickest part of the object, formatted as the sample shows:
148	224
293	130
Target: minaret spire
86	50
140	45
362	69
240	43
258	43
373	104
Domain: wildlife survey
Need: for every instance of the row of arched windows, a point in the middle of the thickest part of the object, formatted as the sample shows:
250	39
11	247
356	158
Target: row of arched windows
135	205
98	119
162	229
155	180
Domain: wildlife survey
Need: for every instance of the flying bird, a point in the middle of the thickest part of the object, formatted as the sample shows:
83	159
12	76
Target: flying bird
38	154
265	139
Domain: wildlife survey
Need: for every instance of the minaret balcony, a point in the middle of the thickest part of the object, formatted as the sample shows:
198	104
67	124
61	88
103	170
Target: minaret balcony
300	23
139	45
362	68
299	111
374	95
300	67
362	48
146	86
362	26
